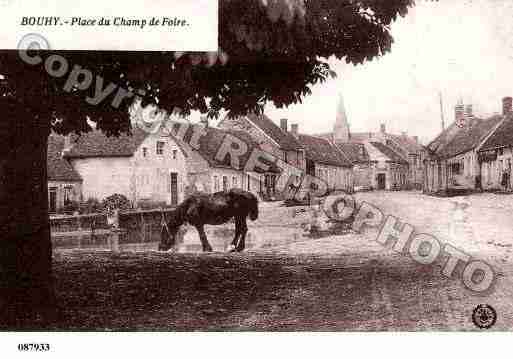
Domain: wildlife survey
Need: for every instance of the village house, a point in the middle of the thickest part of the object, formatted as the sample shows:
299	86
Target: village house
362	166
275	140
64	183
312	155
389	171
327	162
159	168
496	153
454	162
381	160
406	147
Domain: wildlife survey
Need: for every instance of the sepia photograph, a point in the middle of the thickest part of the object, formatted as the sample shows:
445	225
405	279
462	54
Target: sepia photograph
255	166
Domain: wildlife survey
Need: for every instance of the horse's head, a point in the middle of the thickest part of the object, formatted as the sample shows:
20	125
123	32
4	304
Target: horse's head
169	233
253	210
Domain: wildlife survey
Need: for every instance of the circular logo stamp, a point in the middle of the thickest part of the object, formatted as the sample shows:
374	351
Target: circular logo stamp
33	42
484	316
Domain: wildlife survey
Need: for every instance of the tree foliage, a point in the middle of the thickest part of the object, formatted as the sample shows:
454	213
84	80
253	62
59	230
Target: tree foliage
270	51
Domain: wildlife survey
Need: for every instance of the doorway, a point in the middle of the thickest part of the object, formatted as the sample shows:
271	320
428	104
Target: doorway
174	188
270	184
52	200
381	181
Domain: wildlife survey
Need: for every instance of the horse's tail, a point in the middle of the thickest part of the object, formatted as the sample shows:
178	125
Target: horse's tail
253	209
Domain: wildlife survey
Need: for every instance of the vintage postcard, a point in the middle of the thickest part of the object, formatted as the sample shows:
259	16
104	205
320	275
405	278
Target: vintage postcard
255	166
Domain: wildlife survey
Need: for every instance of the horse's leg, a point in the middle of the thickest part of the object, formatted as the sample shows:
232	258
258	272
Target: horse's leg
243	231
237	234
203	238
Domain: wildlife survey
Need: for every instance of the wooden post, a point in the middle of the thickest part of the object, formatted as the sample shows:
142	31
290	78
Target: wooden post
143	228
113	220
79	229
114	239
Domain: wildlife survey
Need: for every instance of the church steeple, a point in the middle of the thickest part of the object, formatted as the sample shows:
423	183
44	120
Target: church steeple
341	127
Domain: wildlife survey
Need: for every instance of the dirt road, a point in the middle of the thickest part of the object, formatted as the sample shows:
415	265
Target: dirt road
347	282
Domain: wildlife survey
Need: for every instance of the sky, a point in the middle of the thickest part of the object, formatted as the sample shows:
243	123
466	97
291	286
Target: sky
459	48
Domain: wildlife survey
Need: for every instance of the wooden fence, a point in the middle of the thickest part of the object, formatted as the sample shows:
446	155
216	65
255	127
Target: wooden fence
99	230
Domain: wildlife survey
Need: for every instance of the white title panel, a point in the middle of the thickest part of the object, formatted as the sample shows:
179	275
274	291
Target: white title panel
137	25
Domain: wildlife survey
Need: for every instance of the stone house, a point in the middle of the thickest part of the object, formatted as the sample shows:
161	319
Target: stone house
389	171
404	146
158	167
454	161
64	183
326	161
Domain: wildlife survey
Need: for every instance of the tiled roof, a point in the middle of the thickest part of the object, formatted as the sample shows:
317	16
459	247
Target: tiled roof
443	138
362	136
323	151
468	137
97	144
283	138
390	153
211	142
355	152
59	169
502	137
406	142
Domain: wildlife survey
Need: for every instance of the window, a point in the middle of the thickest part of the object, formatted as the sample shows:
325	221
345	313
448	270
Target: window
160	147
216	184
174	154
234	182
285	159
299	157
145	151
68	192
249	183
225	183
456	168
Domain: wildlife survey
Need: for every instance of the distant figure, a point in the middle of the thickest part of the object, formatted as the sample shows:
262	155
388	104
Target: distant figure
505	180
478	184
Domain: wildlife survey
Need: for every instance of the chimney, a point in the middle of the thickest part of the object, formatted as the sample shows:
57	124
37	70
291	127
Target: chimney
507	104
294	129
468	111
383	128
283	124
459	112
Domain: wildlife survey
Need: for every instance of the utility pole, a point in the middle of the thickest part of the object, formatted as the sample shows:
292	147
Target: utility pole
442	110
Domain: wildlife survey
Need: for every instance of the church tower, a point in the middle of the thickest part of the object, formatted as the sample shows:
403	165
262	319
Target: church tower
341	127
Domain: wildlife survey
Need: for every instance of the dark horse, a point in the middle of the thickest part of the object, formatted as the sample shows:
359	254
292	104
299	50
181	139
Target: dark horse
199	209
